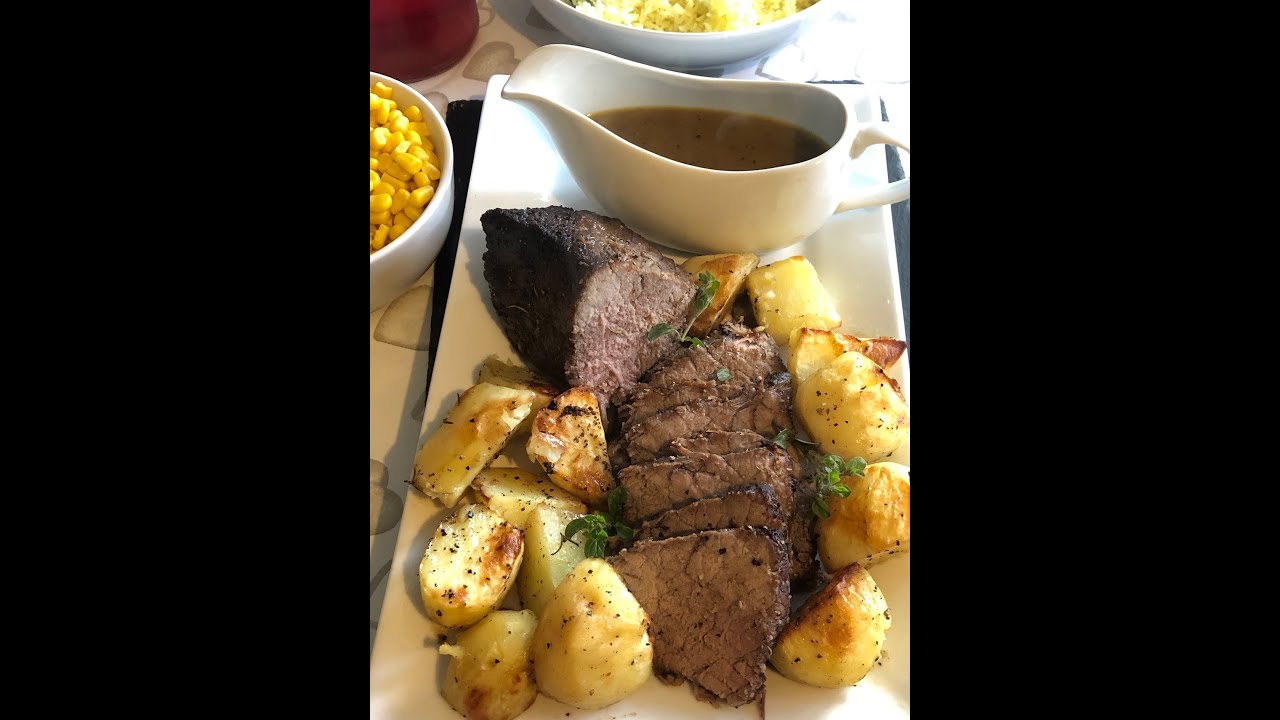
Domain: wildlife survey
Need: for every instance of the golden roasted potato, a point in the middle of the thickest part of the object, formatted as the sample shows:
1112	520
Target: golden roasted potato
787	295
473	432
470	564
547	557
852	408
592	648
870	525
812	349
838	634
568	442
514	493
497	372
731	270
490	675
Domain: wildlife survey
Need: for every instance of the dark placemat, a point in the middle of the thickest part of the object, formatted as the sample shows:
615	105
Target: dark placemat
463	120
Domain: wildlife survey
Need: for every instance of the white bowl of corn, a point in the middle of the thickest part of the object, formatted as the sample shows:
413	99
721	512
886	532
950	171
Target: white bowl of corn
410	187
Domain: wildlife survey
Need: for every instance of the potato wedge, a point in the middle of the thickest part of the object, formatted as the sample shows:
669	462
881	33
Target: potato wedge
547	558
568	442
852	408
592	647
787	295
838	634
490	675
497	372
514	493
731	270
470	565
812	349
870	525
475	430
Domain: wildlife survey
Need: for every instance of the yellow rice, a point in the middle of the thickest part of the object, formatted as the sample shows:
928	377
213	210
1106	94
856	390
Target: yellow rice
692	15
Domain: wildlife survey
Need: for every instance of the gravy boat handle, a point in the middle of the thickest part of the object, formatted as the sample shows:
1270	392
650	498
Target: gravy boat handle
876	133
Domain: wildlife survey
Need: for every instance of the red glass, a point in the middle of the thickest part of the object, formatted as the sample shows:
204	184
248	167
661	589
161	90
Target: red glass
415	39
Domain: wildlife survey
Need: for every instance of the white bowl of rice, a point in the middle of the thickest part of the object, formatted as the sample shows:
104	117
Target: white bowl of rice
685	34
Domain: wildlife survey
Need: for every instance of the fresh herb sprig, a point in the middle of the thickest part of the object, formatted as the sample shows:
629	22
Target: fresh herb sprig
707	287
830	469
597	528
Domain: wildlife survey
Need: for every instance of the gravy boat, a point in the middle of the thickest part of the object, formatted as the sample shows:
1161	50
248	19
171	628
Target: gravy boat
683	206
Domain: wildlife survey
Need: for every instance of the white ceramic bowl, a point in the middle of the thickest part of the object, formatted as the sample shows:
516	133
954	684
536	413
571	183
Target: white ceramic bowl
681	51
400	263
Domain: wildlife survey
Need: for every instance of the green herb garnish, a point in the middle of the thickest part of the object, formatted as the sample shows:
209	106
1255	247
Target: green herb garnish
723	375
827	479
707	287
597	528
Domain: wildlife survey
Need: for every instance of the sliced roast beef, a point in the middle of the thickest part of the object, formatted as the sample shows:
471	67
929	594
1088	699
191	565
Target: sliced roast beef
721	442
746	355
717	600
656	487
802	533
750	506
649	400
765	412
576	292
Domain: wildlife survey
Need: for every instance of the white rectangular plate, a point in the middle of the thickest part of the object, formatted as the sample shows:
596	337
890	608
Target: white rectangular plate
516	166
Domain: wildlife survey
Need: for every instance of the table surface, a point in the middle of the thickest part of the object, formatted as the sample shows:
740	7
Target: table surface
865	40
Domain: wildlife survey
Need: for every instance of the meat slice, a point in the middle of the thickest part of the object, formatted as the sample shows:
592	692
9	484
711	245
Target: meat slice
656	487
765	412
720	442
576	292
751	506
717	600
649	400
802	534
747	355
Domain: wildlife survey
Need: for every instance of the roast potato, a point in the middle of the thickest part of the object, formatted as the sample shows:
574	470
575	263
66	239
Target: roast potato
475	430
490	675
470	564
870	525
812	349
547	557
852	408
731	270
514	493
787	295
592	648
568	442
497	372
838	634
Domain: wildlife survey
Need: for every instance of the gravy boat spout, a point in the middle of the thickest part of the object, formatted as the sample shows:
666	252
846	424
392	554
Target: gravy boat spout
684	206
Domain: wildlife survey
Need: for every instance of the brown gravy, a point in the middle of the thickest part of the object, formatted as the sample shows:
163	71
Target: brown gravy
715	139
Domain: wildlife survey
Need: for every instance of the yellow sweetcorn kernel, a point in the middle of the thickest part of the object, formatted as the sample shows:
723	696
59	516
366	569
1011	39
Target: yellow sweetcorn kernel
413	137
379	202
414	113
419	153
395	170
400	124
395	182
399	200
378	138
413	212
373	163
380	236
432	172
401	219
410	164
394	139
397	231
421	180
382	113
382	90
375	101
383	188
421	196
404	147
380	218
